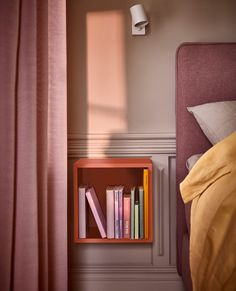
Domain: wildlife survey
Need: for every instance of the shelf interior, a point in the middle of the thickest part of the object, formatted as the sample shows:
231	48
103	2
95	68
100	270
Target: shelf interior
100	179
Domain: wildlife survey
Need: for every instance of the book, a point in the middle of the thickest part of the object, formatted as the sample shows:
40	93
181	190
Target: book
110	207
141	212
82	211
127	216
96	210
116	209
120	205
132	197
136	215
145	187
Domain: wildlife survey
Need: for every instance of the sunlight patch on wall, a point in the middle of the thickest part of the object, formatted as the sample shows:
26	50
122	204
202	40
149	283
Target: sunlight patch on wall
106	74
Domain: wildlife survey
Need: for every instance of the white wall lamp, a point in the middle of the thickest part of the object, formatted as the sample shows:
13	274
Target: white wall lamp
139	19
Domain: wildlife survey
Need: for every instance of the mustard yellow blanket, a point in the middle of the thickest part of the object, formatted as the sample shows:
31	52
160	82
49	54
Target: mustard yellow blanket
211	185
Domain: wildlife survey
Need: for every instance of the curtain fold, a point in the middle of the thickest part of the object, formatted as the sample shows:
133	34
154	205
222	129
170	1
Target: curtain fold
33	149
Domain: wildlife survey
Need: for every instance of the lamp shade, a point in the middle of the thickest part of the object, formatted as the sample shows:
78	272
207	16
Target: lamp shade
139	16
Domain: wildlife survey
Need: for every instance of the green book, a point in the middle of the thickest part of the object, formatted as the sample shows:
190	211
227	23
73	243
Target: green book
141	213
132	212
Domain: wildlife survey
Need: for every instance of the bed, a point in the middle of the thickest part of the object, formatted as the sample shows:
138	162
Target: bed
205	72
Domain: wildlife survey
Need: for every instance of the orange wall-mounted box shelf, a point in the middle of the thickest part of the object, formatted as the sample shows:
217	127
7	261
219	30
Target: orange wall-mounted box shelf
101	173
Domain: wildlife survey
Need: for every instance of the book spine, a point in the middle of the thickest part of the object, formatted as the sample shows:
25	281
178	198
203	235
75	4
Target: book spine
97	211
132	212
82	212
117	222
110	212
146	214
136	215
136	220
127	216
141	213
120	203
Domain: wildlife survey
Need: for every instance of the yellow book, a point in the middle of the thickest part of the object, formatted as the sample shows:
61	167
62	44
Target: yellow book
145	188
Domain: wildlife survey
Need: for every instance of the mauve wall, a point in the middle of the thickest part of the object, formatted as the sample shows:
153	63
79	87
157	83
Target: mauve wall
137	73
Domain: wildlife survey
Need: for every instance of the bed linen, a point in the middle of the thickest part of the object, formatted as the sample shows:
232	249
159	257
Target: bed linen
211	186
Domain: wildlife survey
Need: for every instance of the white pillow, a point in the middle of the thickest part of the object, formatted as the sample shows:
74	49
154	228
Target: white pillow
217	120
191	161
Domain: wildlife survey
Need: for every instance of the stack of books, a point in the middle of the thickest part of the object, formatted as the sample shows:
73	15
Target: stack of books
126	214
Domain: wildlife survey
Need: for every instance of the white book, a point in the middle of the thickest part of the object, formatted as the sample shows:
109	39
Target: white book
110	212
136	221
82	212
97	211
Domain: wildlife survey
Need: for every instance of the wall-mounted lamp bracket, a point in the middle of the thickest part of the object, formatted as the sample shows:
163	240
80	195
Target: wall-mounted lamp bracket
139	19
138	30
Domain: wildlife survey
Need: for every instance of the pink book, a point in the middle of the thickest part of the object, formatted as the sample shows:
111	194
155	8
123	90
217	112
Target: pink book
97	211
127	216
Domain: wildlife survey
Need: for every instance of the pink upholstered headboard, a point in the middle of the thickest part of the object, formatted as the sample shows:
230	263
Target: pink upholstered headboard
205	72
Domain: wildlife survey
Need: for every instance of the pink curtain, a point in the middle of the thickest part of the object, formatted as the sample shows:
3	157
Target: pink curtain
33	150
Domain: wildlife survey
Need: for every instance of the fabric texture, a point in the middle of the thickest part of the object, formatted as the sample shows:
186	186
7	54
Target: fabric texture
185	258
33	149
211	185
217	119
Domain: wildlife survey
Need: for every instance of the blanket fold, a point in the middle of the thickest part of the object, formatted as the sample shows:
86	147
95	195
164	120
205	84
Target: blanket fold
211	185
